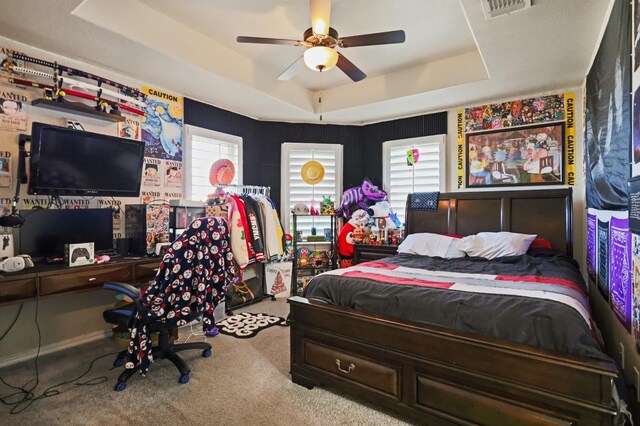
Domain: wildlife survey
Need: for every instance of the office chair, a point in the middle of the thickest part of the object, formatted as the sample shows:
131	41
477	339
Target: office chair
188	285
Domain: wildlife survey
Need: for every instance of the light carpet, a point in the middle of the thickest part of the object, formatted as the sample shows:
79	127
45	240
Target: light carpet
245	382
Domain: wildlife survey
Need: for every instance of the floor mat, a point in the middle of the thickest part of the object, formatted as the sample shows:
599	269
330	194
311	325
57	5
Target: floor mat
246	325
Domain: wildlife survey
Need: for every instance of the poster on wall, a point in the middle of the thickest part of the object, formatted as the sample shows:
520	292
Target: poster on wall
635	302
591	244
515	113
608	115
173	174
161	129
620	270
129	128
151	173
510	153
603	259
5	169
511	157
13	109
147	196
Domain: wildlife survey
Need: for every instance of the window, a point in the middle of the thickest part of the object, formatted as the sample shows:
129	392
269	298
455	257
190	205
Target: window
203	148
401	179
295	190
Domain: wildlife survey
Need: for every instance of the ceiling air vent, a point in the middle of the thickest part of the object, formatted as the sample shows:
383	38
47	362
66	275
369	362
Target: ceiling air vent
493	8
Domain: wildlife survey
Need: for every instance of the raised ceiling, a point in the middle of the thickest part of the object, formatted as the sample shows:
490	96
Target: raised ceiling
453	55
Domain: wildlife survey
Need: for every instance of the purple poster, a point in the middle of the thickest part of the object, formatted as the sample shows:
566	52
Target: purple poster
591	246
636	286
620	270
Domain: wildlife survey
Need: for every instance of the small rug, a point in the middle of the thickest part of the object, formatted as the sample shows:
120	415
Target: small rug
246	325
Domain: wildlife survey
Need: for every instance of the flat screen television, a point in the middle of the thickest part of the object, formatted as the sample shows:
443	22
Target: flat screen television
74	162
46	231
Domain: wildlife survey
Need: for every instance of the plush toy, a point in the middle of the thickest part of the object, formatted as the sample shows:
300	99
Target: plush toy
360	197
345	238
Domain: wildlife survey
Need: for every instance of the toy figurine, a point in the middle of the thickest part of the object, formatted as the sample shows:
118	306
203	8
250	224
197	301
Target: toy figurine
326	207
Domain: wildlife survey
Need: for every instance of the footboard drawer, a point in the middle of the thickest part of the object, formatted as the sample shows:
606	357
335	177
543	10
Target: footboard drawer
466	405
353	368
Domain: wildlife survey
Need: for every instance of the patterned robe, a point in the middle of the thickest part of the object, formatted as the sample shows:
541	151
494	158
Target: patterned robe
191	281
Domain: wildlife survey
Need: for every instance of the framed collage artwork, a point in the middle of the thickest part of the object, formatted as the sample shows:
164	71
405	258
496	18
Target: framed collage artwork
532	155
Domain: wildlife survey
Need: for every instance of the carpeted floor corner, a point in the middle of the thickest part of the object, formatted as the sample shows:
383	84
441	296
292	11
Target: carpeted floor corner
246	381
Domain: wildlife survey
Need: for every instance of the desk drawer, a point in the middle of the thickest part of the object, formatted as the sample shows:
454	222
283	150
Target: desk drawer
353	368
84	279
21	288
147	270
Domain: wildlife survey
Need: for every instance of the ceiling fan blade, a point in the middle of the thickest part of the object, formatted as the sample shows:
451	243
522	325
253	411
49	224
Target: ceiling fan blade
388	37
349	69
291	70
265	40
320	16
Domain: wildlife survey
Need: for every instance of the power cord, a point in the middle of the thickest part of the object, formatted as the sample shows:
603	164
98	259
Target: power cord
28	396
12	322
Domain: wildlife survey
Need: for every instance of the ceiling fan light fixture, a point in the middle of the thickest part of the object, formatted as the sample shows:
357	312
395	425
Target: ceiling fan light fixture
320	58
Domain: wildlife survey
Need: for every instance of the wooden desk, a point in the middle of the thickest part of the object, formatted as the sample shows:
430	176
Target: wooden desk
47	281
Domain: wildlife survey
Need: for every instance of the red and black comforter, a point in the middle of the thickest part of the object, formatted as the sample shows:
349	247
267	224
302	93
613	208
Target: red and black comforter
538	299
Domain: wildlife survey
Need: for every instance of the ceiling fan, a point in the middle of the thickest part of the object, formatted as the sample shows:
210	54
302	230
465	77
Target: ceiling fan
321	41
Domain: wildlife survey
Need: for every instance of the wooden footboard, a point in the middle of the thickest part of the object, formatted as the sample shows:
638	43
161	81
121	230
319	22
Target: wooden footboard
441	376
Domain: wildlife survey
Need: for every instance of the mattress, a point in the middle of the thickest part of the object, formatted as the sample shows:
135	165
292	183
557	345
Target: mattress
538	299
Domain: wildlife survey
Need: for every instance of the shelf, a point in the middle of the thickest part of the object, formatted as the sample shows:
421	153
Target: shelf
304	243
76	108
309	268
313	215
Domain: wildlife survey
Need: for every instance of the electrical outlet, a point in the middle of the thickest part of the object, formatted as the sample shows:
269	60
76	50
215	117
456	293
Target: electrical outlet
621	353
636	383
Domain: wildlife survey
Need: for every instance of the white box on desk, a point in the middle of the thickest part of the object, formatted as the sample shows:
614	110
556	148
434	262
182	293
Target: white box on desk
79	254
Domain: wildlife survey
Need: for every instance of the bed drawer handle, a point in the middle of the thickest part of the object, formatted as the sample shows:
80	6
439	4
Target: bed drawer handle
92	279
348	370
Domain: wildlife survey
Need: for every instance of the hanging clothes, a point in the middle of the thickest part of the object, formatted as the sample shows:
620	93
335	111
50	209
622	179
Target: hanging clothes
252	209
237	231
272	231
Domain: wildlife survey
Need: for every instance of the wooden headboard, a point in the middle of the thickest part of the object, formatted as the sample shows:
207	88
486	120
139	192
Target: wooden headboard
546	213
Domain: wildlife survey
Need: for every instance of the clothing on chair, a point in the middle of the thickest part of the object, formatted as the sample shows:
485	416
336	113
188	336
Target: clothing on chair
190	281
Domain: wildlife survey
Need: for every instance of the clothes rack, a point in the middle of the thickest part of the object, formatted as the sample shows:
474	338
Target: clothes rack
260	271
247	189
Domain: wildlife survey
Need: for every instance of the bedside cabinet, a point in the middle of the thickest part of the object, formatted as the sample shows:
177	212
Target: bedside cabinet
366	253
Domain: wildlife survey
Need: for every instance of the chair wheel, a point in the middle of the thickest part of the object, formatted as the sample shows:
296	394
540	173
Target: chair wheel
184	379
206	353
120	386
119	362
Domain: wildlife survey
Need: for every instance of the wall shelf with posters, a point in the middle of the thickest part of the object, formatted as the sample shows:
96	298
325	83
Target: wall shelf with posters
76	108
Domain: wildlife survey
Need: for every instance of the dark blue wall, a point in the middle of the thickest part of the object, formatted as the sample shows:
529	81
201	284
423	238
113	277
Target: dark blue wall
362	145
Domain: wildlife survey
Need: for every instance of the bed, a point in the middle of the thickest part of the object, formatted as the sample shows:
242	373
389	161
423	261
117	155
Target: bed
438	375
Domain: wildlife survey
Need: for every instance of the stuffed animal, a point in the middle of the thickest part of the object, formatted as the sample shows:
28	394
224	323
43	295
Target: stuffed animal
360	197
345	239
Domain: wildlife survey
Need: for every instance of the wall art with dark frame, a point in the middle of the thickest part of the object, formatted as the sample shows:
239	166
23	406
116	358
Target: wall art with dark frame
523	156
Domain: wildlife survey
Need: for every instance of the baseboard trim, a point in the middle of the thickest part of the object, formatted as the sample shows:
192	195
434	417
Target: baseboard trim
55	347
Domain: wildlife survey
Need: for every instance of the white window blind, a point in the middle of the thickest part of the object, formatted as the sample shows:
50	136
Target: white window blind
204	148
401	179
295	190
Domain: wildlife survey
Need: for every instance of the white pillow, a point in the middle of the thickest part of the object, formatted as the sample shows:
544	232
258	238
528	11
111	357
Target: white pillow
496	244
426	244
